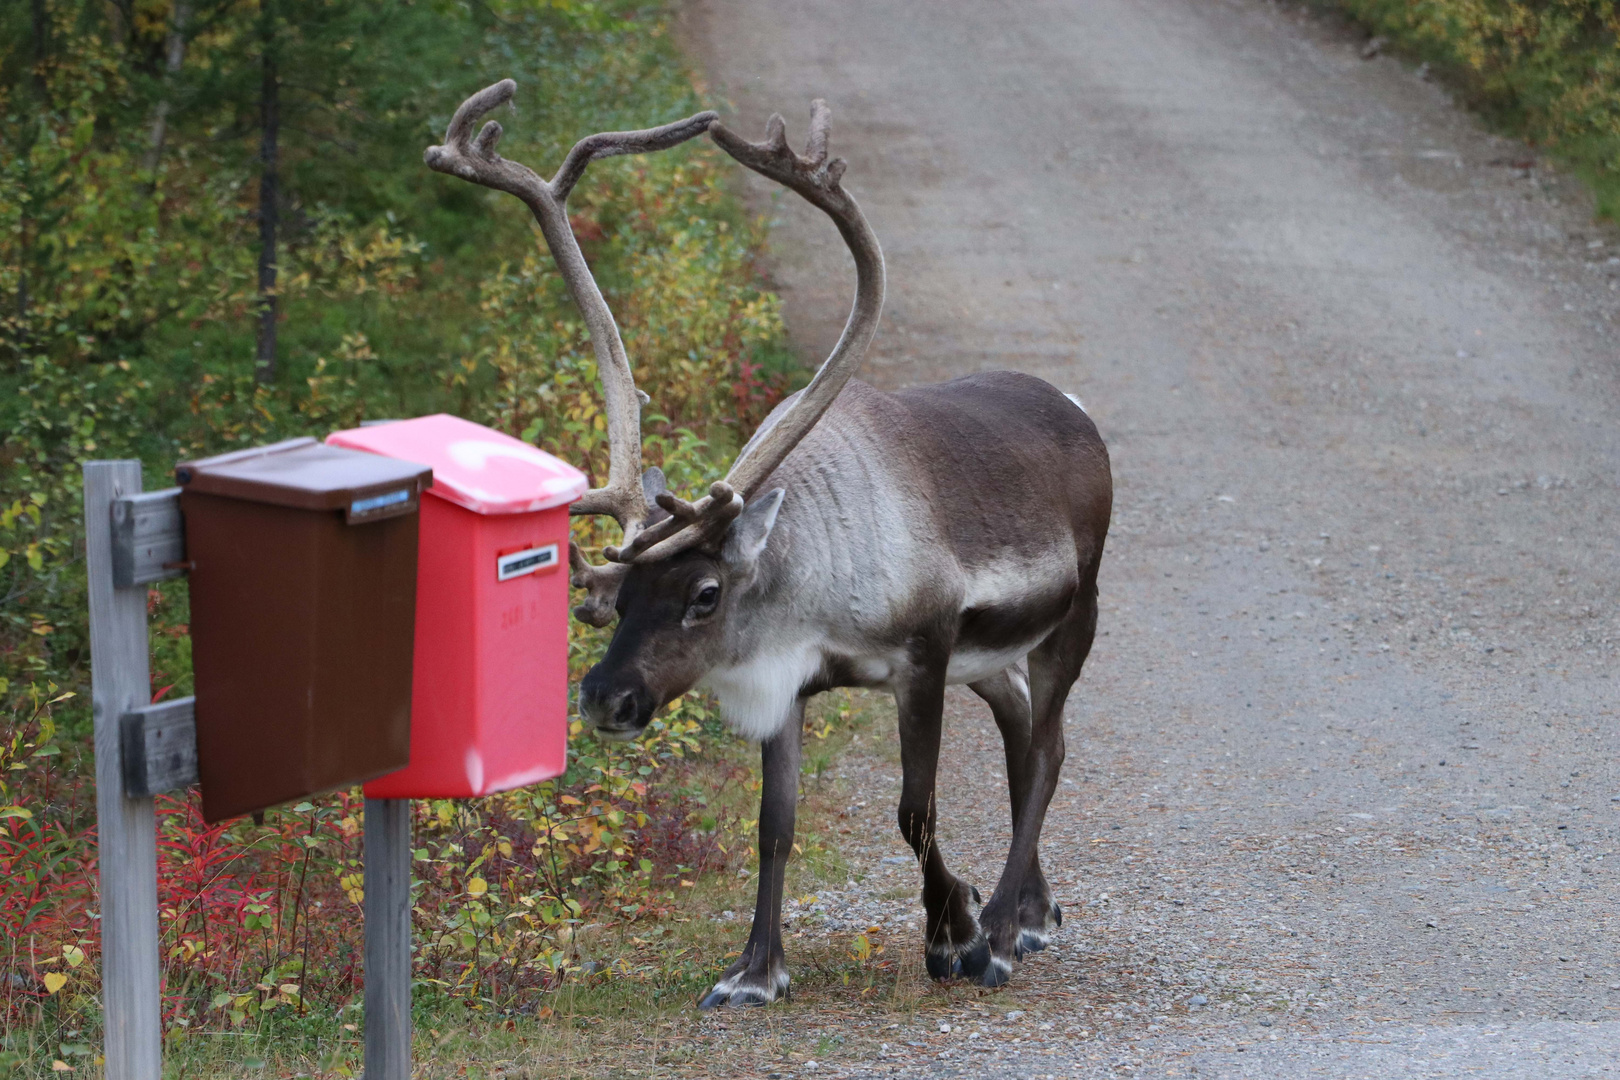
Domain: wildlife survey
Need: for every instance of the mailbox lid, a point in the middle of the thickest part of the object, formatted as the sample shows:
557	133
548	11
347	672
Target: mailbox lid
482	469
305	475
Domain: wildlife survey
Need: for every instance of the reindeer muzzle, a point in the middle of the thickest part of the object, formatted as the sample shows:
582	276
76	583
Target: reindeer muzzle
619	712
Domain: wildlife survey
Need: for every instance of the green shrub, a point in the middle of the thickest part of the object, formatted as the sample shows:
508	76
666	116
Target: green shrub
126	330
1548	69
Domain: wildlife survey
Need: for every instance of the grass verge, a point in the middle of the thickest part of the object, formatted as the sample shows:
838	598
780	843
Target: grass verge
1545	71
630	1008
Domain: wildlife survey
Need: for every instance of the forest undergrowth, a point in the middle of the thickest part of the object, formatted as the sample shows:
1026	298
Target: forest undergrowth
138	167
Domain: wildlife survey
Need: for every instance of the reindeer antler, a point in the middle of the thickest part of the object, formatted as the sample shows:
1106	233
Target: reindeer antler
475	160
627	492
817	179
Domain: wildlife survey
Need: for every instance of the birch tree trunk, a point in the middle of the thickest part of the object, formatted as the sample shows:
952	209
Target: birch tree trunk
174	54
269	194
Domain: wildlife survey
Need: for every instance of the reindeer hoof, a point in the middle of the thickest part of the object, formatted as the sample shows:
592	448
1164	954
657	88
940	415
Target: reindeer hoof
946	961
1032	939
737	999
741	992
997	972
976	958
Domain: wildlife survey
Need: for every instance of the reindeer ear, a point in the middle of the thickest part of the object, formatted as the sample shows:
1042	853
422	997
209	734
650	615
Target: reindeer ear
747	536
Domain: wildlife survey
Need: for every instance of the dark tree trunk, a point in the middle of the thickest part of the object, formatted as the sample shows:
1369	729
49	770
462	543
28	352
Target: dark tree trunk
269	193
23	337
42	46
41	56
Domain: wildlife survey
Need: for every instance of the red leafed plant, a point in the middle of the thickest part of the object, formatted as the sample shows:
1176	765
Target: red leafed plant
245	910
256	917
47	856
753	391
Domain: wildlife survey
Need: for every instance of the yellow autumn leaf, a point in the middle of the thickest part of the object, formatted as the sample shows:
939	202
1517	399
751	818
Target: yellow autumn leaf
60	1066
73	955
54	982
477	886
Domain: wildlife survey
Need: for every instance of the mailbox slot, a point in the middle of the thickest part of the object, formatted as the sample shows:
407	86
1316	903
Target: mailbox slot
529	560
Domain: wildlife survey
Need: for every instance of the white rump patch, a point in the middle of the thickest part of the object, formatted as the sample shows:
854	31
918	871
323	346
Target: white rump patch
1077	402
756	696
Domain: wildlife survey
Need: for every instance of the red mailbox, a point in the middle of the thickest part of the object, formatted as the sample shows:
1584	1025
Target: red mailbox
489	690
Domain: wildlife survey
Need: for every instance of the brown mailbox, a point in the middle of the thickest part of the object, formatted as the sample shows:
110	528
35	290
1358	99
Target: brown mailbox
303	610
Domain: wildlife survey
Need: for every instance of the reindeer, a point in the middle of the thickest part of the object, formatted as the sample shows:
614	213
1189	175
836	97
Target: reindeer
910	540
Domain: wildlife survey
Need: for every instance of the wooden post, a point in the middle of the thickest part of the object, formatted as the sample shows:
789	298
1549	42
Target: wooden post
141	543
388	939
126	828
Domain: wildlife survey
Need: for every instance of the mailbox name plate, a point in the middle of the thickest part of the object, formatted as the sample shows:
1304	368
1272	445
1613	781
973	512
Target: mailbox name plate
361	507
528	561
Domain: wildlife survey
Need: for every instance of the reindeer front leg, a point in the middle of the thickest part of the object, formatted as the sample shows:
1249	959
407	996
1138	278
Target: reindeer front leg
759	976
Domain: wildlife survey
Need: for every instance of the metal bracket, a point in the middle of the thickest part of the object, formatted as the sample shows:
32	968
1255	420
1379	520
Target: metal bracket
160	747
148	538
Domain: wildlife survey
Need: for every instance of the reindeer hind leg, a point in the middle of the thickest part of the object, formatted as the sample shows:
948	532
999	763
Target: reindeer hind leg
1054	665
1007	694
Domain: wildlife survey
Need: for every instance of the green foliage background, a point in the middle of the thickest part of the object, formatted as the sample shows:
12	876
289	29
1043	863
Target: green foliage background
1549	70
126	292
127	305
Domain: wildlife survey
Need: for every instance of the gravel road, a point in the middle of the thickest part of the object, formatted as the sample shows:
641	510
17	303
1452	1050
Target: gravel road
1341	797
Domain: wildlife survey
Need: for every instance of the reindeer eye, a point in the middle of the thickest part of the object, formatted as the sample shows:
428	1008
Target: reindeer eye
708	596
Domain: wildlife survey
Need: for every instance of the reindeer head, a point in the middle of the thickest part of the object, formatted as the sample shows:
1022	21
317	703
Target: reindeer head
681	569
674	614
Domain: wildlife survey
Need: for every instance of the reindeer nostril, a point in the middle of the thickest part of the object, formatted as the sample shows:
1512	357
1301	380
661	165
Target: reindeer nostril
625	710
